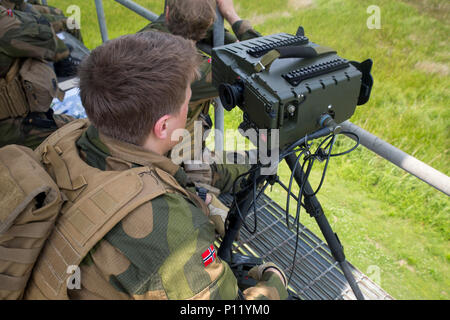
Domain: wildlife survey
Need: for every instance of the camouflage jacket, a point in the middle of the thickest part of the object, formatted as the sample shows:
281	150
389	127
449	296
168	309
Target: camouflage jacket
202	90
24	35
28	131
156	251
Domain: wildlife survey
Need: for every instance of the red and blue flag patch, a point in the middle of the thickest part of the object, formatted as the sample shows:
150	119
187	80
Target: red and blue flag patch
209	255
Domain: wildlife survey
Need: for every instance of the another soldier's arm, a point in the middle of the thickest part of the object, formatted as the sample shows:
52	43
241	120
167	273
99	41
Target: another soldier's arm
241	28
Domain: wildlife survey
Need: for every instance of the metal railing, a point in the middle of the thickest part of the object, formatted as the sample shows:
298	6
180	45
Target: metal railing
410	164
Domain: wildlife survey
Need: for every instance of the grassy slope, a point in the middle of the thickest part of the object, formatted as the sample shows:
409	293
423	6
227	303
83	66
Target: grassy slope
383	216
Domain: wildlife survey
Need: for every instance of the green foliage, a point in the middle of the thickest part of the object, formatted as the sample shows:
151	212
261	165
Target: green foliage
384	216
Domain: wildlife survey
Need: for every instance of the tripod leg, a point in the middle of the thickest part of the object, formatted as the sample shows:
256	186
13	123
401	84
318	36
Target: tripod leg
314	208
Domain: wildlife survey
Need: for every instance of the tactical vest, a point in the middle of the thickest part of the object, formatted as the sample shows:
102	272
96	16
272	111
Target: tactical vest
94	202
29	86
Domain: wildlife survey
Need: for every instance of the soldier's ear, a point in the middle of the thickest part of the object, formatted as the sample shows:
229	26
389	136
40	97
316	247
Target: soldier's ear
161	129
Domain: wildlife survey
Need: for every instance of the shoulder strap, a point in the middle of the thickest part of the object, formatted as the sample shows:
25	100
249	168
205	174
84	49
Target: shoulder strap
61	133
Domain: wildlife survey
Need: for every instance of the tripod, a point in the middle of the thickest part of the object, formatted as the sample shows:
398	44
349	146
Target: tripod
245	198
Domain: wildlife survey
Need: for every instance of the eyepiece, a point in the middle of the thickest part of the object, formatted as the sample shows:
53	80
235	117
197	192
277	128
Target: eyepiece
231	95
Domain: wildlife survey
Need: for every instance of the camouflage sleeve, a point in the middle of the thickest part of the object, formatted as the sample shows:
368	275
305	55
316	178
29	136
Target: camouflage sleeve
244	30
270	287
227	169
163	250
169	246
24	34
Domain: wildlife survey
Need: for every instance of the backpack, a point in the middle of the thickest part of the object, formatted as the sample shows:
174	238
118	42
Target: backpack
54	208
29	86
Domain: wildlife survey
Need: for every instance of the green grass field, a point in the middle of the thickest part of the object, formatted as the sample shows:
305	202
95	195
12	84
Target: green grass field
383	216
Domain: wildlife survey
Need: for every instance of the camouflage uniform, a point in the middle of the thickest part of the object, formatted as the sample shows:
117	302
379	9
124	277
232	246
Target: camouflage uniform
155	252
22	131
203	93
25	35
53	15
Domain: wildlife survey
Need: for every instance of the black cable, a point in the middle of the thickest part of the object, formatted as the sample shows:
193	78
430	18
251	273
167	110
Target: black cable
316	155
288	199
310	159
351	149
255	198
253	204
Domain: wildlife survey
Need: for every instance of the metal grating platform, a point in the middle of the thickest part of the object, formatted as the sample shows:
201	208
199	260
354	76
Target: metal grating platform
316	275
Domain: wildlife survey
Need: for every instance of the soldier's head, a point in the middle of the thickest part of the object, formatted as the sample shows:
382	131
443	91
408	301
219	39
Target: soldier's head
190	18
137	87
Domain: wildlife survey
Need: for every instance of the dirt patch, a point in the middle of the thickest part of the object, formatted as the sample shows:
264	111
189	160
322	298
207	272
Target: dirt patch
405	264
298	4
376	244
259	19
435	8
292	6
433	68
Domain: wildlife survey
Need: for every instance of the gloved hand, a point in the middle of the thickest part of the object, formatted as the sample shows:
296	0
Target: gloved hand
258	271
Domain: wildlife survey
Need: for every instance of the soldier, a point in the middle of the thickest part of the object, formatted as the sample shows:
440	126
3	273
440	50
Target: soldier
136	91
193	20
27	84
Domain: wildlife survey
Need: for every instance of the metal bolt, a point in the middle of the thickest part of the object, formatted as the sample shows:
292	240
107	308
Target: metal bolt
291	109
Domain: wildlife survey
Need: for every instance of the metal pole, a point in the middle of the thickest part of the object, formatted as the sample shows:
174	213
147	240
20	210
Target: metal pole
143	12
219	115
401	159
101	20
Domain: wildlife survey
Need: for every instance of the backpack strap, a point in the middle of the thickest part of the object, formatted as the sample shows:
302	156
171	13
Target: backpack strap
86	223
56	136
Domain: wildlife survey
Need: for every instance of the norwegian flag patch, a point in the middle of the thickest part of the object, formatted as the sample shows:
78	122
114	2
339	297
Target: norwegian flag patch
209	255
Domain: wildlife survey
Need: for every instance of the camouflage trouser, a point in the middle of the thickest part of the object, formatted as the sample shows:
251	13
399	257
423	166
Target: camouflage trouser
21	131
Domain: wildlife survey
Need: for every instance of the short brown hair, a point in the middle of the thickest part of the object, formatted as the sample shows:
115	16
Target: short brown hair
128	83
191	18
